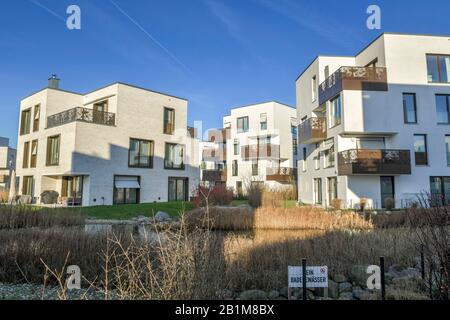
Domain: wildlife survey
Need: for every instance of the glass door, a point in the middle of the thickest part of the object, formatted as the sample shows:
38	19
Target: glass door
387	189
440	190
178	189
318	191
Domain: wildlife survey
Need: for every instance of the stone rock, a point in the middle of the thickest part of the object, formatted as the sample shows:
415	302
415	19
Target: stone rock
346	296
388	277
142	220
162	216
395	270
333	289
273	294
358	275
411	273
253	295
345	287
284	292
358	293
224	294
298	295
340	278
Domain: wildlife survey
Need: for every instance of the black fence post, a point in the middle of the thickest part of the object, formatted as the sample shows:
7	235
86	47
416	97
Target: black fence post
422	262
304	278
383	284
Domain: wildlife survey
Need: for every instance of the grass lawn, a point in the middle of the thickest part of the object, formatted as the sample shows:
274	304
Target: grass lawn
129	211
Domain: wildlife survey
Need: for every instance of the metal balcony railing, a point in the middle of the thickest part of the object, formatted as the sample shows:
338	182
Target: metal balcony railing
81	114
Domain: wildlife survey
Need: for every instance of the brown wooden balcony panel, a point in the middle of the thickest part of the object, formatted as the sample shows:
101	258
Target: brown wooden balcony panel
214	154
353	78
312	130
281	174
219	135
214	175
377	162
261	151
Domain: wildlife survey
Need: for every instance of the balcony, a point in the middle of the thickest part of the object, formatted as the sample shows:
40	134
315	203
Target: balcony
214	155
353	78
192	132
214	175
281	174
219	135
83	115
261	151
376	162
312	130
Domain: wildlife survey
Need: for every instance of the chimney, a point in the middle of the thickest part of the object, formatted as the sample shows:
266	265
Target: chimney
53	82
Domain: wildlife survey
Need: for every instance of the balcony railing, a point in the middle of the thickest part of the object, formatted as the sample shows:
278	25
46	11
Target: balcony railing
353	78
281	174
81	114
214	175
214	154
261	151
377	162
312	130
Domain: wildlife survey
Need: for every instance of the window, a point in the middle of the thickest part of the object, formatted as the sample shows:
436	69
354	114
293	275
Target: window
25	122
174	156
294	146
371	143
37	114
72	189
332	189
263	121
447	148
236	147
329	157
438	68
100	112
255	167
234	168
294	130
440	191
409	108
26	154
140	154
335	112
443	108
242	124
53	144
27	186
169	121
317	161
420	149
304	160
126	189
34	150
318	191
178	188
314	89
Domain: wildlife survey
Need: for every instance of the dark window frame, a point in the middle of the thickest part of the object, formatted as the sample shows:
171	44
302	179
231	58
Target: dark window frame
48	155
234	168
243	129
405	117
426	163
26	155
151	156
183	165
166	121
36	122
446	154
23	124
185	186
255	167
26	185
436	56
33	158
138	191
447	96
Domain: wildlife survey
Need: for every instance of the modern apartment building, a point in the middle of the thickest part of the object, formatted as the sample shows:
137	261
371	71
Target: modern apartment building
214	157
7	162
118	144
262	146
376	125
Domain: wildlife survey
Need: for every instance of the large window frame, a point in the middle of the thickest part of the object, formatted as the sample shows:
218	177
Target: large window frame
53	151
447	107
25	121
26	154
406	111
123	192
169	121
138	163
33	153
447	148
170	163
435	65
335	111
28	186
421	157
242	124
234	168
36	117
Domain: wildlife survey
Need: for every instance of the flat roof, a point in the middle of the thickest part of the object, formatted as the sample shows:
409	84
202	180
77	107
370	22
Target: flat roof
255	104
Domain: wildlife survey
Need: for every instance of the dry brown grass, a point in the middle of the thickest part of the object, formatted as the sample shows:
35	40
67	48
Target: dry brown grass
221	218
307	217
4	195
15	217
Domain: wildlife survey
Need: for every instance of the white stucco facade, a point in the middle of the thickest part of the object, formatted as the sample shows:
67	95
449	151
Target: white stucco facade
270	125
373	123
7	162
98	150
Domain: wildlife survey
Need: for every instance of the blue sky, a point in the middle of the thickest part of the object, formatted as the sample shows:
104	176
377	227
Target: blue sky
218	54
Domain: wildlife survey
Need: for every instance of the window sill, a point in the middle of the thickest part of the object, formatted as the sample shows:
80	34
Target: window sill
177	169
139	167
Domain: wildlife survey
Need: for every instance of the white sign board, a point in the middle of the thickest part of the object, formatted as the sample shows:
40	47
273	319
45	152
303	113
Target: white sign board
316	277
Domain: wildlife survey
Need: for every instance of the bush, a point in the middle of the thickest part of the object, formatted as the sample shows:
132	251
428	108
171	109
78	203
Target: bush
217	195
255	195
363	203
